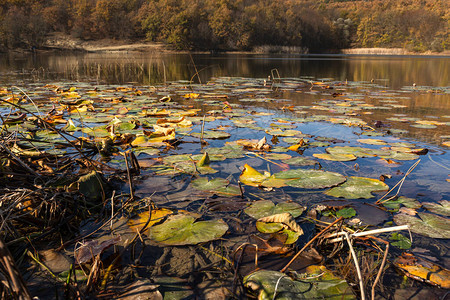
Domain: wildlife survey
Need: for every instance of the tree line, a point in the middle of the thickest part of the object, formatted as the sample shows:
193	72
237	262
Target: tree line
309	25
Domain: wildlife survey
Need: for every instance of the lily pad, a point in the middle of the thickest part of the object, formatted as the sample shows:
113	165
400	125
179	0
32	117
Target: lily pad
182	229
405	201
358	187
429	225
265	208
400	241
209	134
335	157
372	141
300	161
442	208
276	285
346	213
311	179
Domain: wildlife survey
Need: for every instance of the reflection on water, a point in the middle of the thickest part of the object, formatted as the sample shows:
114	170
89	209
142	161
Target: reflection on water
151	68
394	74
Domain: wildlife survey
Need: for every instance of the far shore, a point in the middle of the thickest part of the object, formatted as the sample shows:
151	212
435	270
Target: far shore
63	42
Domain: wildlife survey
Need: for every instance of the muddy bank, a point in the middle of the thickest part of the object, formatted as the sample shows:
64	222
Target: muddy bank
389	51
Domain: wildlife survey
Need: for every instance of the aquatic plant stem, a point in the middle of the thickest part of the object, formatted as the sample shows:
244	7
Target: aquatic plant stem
358	270
400	183
309	243
380	271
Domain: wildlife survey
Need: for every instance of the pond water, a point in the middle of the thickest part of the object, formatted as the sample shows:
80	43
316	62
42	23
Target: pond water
396	109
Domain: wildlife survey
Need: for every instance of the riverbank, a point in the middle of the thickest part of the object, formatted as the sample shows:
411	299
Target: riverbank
64	42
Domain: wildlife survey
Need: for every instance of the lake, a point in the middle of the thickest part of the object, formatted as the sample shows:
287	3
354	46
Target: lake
370	117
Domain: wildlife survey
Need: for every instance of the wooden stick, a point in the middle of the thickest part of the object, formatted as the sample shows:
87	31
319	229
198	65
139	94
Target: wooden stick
310	242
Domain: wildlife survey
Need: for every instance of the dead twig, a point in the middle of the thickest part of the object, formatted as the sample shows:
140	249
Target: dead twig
309	243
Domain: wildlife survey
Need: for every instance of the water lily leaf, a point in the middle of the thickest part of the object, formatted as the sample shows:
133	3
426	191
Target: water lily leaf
356	151
300	161
358	187
284	223
203	184
182	229
209	134
335	157
419	268
400	156
429	225
92	186
273	182
311	179
400	241
265	208
442	207
283	218
405	201
372	141
266	283
346	213
250	176
157	216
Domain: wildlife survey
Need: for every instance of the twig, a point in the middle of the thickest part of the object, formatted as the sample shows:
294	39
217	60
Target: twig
358	270
15	280
398	183
381	267
276	286
309	243
20	161
130	182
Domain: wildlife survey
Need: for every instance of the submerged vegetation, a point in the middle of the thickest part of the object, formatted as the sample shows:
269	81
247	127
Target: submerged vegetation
297	25
190	190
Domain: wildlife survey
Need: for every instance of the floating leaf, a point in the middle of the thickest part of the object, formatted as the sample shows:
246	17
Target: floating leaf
346	213
335	157
424	270
250	176
265	208
428	224
182	229
442	207
317	283
300	161
283	218
356	151
400	241
311	179
204	184
407	202
358	187
209	134
372	141
157	215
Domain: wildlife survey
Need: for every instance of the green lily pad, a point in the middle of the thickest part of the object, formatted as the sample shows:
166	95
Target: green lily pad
356	151
441	208
427	224
209	134
300	161
335	157
358	187
400	156
182	229
265	208
311	179
400	241
317	283
407	202
93	186
203	184
346	213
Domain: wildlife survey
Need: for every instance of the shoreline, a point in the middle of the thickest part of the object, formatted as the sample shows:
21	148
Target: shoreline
59	42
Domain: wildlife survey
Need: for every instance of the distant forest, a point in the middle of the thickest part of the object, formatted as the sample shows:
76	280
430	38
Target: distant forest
308	25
